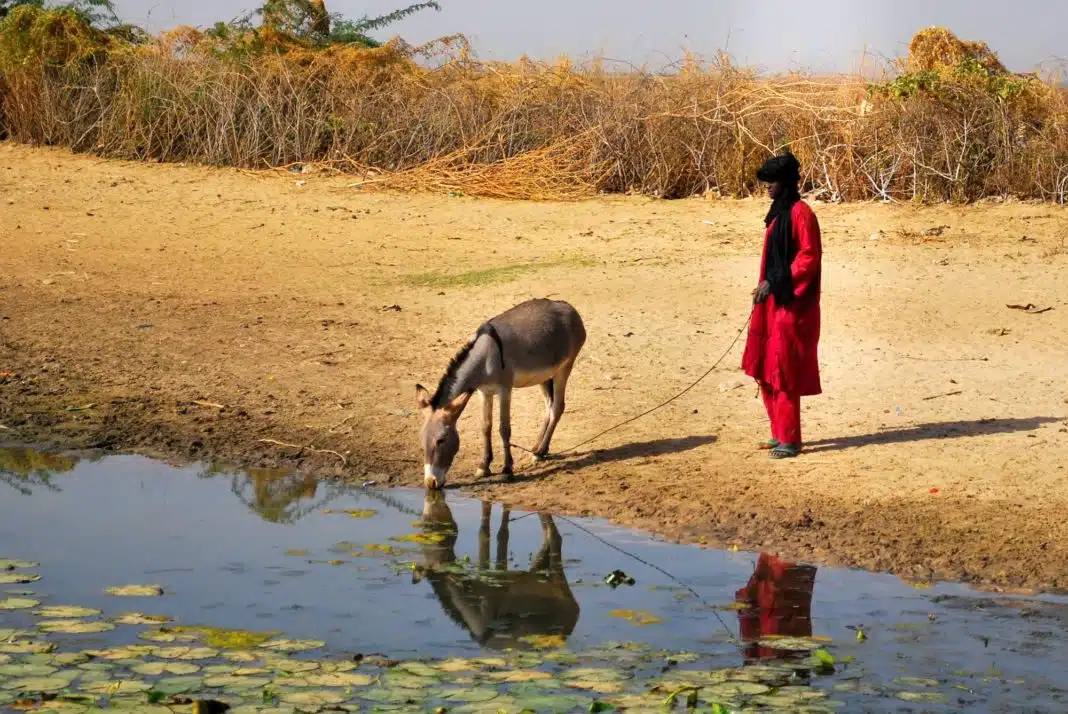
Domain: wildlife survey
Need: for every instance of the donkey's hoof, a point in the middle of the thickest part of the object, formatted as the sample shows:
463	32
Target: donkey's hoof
482	473
508	476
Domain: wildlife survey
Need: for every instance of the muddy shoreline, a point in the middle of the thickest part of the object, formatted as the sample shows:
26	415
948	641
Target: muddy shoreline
196	314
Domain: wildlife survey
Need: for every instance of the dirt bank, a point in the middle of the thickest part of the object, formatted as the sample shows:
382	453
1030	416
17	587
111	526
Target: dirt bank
204	314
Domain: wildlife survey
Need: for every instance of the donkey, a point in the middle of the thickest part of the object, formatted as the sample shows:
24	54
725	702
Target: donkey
501	607
533	343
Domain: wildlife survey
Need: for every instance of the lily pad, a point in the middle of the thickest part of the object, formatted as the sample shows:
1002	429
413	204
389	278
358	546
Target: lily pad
59	612
74	627
355	513
915	682
420	669
932	697
134	590
42	684
472	696
119	653
168	636
558	704
638	617
339	679
289	646
519	675
503	703
458	665
596	674
117	687
312	698
27	671
408	681
156	669
66	659
137	618
791	644
590	685
15	564
18	578
292	666
29	647
18	603
229	681
184	653
178	685
727	690
58	706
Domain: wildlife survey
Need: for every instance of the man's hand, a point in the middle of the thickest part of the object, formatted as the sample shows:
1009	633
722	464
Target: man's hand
762	292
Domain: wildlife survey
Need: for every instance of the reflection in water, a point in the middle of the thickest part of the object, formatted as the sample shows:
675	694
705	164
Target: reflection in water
778	599
23	468
277	495
499	608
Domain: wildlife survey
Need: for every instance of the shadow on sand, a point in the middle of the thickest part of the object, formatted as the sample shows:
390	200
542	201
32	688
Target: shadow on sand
617	454
931	432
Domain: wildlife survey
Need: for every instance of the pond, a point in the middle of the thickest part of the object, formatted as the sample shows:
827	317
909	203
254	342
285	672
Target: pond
269	591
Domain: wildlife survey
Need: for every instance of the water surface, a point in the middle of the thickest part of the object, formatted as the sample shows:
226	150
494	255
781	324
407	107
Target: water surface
417	577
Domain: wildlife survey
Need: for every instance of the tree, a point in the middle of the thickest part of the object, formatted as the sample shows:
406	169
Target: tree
95	12
309	20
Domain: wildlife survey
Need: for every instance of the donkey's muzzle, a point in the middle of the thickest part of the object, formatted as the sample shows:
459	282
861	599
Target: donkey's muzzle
433	477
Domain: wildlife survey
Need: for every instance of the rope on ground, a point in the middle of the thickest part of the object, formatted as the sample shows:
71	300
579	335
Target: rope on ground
658	406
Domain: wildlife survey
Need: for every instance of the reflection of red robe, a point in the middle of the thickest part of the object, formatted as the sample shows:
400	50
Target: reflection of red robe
778	597
781	349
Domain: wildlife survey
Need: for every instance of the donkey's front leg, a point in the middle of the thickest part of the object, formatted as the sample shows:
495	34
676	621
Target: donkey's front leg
487	435
506	431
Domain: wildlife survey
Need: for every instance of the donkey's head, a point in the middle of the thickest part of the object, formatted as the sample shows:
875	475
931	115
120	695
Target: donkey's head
441	441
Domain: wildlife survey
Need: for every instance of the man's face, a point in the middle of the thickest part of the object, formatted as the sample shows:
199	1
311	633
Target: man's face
774	190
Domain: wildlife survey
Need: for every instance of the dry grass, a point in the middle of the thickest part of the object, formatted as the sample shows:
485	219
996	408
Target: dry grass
953	126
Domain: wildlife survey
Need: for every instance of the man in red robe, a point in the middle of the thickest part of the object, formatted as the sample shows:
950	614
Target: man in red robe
781	351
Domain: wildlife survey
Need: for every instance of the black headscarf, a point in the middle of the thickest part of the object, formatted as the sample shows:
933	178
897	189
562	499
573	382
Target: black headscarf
786	171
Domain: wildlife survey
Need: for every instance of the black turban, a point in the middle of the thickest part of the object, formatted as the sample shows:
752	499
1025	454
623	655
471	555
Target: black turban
782	169
782	248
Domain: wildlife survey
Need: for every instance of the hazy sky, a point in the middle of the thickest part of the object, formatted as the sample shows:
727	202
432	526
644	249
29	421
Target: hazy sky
774	34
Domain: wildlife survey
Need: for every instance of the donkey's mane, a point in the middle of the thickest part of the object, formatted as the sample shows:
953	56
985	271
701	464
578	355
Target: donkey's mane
448	380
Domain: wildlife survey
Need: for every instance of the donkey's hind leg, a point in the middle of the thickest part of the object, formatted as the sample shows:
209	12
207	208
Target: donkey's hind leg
547	392
487	435
559	390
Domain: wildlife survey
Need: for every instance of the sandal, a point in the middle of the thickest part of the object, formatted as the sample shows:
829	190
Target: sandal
768	445
785	451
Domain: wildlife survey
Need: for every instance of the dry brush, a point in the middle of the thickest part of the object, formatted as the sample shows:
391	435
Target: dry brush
950	124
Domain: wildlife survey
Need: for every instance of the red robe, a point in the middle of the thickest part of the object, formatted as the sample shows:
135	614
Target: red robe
781	351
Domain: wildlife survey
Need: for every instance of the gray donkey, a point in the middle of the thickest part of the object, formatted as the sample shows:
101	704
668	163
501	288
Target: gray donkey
534	343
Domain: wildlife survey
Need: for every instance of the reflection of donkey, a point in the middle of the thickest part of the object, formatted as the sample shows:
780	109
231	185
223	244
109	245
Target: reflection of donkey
497	607
535	343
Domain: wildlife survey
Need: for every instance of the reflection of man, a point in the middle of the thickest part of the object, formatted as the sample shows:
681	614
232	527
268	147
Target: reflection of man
778	600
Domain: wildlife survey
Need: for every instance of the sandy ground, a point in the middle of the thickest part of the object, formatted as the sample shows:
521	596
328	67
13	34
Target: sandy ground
194	313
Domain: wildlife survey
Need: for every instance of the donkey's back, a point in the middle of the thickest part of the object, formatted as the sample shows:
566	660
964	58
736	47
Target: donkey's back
538	336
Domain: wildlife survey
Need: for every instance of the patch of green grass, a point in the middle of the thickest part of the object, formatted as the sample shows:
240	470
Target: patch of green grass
440	280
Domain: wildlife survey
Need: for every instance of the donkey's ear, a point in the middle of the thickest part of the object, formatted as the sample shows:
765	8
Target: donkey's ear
456	407
422	397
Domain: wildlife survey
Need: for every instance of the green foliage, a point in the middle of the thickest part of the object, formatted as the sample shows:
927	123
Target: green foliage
95	12
306	20
968	72
908	85
356	31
